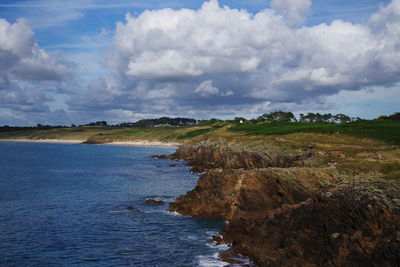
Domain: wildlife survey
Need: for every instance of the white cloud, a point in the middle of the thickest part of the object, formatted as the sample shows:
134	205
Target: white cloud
24	100
21	58
236	60
23	62
170	44
206	88
295	11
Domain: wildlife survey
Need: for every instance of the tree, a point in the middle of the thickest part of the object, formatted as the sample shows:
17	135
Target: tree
327	117
278	116
341	118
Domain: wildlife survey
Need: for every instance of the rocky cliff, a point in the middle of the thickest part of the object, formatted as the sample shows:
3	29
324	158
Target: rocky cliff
281	213
210	156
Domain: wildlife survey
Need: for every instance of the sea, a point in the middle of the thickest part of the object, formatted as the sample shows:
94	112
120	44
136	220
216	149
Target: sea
66	205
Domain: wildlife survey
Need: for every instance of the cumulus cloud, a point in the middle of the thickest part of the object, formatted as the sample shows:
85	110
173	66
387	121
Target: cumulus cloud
24	100
206	88
21	58
23	64
295	11
228	61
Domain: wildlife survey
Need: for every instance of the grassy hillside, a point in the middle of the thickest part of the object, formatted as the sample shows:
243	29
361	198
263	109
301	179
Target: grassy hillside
109	134
382	130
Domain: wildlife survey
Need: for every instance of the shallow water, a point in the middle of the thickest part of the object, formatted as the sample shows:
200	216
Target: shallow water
64	205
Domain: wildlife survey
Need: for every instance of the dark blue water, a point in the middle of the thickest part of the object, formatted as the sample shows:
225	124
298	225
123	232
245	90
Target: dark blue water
63	205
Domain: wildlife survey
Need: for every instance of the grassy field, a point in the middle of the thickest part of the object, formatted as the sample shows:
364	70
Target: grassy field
385	130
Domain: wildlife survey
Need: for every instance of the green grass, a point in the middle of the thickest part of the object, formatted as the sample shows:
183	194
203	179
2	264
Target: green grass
195	133
387	131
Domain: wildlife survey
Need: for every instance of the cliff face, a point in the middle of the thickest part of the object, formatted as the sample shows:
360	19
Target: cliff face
344	228
284	216
203	157
231	193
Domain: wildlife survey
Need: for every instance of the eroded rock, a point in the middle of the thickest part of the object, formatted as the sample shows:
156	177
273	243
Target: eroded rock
154	202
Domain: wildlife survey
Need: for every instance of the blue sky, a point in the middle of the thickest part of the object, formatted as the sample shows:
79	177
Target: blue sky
84	67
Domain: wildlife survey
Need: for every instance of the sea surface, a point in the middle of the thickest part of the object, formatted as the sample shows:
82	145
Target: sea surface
65	205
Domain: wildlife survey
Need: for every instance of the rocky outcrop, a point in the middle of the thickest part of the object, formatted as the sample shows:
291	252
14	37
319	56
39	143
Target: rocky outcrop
208	156
154	202
226	193
348	227
286	216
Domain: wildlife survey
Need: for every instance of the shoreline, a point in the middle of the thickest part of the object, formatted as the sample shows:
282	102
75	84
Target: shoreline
143	143
55	141
124	143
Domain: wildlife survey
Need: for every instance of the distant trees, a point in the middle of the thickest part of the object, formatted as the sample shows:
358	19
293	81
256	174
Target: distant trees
97	123
395	116
278	116
310	117
325	118
165	121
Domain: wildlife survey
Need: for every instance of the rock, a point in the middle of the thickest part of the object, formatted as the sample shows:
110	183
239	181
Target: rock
154	202
197	169
132	209
206	156
281	215
161	157
93	142
278	221
335	235
216	239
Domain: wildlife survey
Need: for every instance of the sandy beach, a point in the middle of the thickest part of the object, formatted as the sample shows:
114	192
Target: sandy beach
125	143
144	143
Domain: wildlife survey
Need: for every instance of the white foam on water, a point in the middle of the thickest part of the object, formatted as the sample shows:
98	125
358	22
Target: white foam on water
210	261
211	233
173	213
223	247
118	211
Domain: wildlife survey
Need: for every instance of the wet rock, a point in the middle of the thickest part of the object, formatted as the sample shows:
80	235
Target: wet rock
132	209
197	169
154	202
161	157
92	142
216	239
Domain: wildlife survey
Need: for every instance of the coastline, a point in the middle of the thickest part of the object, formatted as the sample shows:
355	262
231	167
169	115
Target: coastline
56	141
66	141
143	143
278	202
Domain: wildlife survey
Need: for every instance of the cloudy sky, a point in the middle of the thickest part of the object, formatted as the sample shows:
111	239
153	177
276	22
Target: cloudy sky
77	61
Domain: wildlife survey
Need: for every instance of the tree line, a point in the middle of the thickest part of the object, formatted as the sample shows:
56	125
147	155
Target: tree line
309	117
180	122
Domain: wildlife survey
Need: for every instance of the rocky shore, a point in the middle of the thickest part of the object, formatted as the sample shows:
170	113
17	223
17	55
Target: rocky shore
289	209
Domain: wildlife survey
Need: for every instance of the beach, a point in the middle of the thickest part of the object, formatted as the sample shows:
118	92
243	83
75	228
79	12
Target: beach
121	143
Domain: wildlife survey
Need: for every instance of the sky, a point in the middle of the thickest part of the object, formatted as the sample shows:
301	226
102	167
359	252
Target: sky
78	61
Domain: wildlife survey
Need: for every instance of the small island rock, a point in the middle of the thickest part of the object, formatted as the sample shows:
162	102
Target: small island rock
154	202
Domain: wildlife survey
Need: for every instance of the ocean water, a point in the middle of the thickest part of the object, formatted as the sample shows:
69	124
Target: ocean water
65	205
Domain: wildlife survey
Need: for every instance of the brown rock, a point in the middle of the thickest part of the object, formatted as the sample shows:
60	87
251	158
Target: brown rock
132	209
154	202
